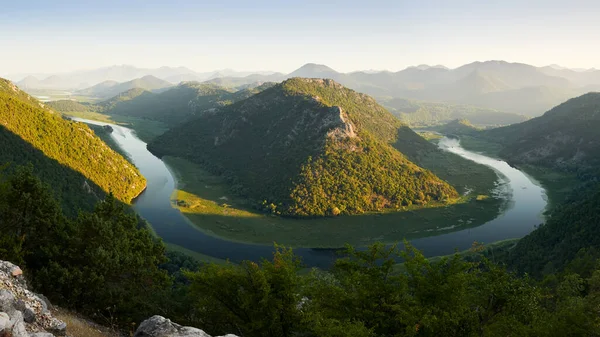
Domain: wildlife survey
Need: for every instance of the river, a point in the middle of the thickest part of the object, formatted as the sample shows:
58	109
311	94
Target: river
524	211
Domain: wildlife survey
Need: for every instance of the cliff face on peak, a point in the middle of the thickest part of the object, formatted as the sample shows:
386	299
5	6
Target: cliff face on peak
311	147
22	312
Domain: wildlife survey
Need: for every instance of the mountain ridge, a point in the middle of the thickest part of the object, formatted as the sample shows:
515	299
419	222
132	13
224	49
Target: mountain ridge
55	145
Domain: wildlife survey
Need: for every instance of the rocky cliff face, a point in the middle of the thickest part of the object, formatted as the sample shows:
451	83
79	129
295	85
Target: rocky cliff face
23	313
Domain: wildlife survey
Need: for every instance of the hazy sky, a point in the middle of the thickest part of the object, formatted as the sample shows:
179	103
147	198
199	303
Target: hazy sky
56	36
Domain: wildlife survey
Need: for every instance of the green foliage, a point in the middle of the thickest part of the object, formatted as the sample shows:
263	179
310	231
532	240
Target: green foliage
456	127
571	233
102	263
70	144
68	186
564	138
310	148
363	110
66	106
365	295
171	107
250	299
426	114
371	178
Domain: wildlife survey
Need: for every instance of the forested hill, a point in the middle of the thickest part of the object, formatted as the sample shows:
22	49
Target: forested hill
171	107
67	155
564	138
309	147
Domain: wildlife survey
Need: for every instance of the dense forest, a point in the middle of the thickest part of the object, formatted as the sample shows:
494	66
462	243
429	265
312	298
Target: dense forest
172	106
68	155
419	114
307	148
564	138
365	293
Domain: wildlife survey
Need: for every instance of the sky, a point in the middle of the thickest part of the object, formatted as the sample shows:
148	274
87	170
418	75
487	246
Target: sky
41	36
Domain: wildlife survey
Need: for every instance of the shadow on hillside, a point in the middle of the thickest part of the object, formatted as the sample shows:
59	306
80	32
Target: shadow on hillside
68	185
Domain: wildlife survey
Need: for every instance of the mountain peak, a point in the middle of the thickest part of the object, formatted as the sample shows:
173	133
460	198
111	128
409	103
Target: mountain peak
427	67
313	70
299	133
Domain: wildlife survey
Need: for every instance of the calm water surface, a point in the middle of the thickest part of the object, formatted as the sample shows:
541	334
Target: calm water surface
525	204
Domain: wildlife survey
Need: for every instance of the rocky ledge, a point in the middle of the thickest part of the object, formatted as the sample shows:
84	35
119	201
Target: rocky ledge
26	314
158	326
23	313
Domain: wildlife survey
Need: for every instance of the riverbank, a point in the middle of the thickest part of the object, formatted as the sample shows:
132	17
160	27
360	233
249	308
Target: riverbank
558	185
205	200
220	233
145	129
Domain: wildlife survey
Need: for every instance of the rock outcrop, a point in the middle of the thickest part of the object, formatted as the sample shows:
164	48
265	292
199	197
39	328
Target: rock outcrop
23	313
158	326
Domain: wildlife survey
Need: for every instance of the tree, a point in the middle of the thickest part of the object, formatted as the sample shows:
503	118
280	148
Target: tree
31	221
250	299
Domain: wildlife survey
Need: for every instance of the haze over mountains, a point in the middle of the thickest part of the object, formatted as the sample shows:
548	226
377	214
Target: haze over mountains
513	88
118	73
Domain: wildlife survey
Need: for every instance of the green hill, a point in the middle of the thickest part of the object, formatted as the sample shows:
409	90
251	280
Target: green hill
457	127
564	138
66	106
425	114
172	106
311	148
571	233
67	155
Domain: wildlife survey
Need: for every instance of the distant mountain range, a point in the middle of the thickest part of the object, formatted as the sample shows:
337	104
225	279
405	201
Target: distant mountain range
118	73
498	85
513	88
108	89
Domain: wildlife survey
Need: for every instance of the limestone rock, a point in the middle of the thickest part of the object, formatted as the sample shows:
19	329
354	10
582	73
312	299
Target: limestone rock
17	272
4	323
24	313
158	326
59	329
28	313
6	300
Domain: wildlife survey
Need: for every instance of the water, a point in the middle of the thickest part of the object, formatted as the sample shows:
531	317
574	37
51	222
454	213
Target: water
527	202
524	211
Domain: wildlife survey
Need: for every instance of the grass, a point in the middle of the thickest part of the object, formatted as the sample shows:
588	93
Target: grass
558	184
480	145
206	201
428	135
78	326
198	256
145	129
495	252
55	95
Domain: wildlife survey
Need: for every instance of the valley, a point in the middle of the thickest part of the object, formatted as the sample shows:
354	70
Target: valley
190	208
299	169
